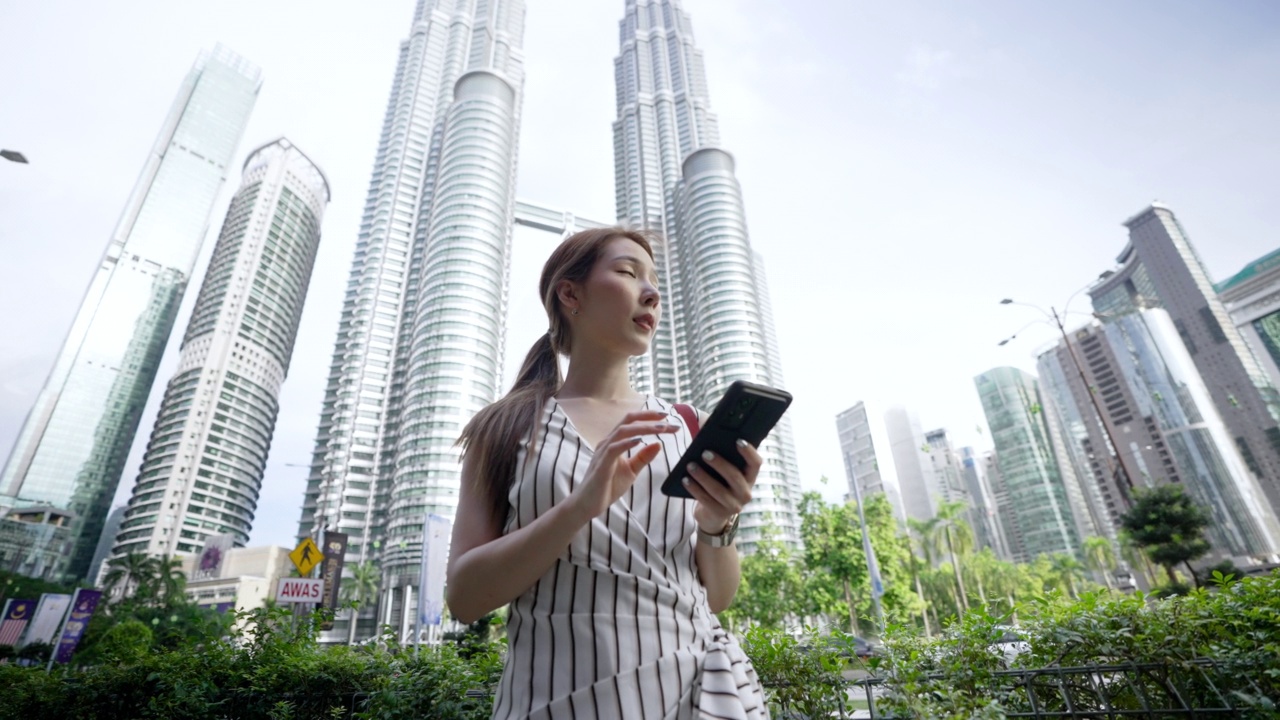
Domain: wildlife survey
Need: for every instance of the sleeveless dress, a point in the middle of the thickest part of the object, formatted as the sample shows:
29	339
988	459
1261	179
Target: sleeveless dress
619	627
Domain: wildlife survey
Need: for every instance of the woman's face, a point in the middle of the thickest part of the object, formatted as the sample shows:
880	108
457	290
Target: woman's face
618	305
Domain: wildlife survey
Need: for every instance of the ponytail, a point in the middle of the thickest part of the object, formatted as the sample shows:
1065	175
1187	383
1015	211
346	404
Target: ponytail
493	436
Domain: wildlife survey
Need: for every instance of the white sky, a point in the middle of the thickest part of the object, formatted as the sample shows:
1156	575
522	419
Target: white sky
905	165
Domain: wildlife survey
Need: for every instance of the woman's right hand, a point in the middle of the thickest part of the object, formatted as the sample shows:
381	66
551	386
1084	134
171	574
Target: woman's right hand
611	473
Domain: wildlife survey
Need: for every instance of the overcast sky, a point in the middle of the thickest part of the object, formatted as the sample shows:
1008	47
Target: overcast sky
905	165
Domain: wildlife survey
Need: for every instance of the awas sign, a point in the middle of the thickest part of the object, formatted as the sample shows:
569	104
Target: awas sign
300	590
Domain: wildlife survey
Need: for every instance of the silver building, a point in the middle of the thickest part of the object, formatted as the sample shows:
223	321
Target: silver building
1160	268
983	511
917	481
1160	410
1252	298
74	444
205	460
673	176
861	466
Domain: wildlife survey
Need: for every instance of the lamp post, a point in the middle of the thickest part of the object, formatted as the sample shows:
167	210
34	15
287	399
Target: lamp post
1114	466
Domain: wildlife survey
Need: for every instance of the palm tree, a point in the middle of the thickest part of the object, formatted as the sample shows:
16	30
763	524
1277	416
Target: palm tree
129	576
1065	569
958	536
1100	557
361	588
1136	558
920	535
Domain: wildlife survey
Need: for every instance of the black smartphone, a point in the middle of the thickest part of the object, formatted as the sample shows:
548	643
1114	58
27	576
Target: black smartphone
747	411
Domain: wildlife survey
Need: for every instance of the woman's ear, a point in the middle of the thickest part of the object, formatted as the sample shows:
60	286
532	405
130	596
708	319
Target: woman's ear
567	292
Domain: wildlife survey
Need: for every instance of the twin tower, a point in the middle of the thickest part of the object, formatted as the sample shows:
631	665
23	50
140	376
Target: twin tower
420	342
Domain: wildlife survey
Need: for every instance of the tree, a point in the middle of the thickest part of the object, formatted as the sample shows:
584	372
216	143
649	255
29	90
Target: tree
958	537
772	582
133	575
1064	570
1100	557
1168	526
833	547
361	588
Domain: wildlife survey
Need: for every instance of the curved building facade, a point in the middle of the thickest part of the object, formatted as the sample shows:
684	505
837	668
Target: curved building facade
205	460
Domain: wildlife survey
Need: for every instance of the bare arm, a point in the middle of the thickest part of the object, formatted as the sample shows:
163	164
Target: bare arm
488	569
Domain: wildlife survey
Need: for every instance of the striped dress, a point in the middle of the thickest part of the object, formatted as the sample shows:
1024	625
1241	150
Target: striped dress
619	627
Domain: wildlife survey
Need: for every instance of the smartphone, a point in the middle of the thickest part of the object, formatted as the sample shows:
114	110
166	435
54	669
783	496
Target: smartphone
747	411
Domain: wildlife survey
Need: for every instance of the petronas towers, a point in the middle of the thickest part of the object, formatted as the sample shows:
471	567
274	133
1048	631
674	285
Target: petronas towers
421	336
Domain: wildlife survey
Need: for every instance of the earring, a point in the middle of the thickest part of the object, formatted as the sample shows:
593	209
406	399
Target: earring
575	311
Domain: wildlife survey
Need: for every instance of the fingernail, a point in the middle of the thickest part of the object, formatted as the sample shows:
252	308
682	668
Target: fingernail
742	443
692	467
708	456
686	480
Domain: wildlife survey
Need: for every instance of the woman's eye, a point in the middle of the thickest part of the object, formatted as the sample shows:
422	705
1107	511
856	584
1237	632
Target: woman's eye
627	272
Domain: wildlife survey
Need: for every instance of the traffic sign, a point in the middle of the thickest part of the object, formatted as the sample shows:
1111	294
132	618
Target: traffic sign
306	556
300	590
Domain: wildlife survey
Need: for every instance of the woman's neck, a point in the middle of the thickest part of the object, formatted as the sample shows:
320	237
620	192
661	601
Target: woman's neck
597	375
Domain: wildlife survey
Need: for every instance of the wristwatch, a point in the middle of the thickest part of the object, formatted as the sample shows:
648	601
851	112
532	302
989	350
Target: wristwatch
724	538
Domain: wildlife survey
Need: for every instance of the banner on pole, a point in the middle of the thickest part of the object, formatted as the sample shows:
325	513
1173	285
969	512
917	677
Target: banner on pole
435	558
335	551
49	613
17	614
213	556
83	603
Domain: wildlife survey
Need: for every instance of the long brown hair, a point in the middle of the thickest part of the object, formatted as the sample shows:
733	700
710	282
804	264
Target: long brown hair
492	438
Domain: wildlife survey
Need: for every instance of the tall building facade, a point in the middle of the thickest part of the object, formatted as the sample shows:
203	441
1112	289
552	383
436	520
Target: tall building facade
673	176
1157	406
917	482
1252	298
420	339
1160	268
204	463
74	444
983	511
1036	511
862	470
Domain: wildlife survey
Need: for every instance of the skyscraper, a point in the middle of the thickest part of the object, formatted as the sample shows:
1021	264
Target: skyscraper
672	176
204	463
917	482
1252	297
1153	398
861	463
1037	515
73	446
1160	268
420	339
983	511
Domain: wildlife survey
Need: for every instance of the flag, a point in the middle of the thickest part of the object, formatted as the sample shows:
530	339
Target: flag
435	549
83	604
48	616
17	613
335	552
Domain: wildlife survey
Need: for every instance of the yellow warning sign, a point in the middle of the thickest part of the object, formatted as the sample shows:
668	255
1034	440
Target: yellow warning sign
306	556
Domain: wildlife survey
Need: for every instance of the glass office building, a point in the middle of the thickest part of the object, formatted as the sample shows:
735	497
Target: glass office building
73	446
204	464
1035	509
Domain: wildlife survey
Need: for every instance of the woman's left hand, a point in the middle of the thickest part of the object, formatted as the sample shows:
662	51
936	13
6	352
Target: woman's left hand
718	503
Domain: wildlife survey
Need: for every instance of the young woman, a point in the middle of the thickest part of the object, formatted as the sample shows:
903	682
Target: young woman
612	584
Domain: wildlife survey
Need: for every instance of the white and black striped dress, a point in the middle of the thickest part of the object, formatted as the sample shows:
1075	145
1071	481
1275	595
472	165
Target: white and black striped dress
619	627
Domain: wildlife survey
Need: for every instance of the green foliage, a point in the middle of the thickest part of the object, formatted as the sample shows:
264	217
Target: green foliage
801	678
1168	526
771	582
13	585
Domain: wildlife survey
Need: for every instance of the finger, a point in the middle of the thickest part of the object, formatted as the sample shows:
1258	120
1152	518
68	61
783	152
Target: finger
739	485
753	458
614	450
645	456
637	429
642	416
722	495
697	492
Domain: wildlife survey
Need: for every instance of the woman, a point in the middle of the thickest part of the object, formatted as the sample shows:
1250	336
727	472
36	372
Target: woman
612	584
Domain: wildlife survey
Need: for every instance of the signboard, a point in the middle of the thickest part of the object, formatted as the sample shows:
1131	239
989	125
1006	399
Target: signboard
49	612
335	552
435	558
300	590
213	556
83	603
306	556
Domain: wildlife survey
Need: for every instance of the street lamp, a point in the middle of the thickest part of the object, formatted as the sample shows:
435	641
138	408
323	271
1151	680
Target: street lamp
14	155
1114	466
